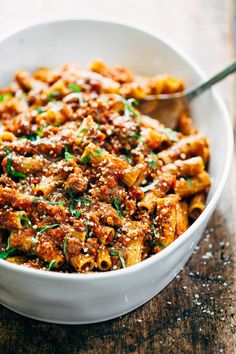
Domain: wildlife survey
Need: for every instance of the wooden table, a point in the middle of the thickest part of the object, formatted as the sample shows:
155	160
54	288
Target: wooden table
195	313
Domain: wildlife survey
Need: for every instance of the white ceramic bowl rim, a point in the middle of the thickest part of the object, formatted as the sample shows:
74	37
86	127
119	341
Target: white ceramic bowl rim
210	206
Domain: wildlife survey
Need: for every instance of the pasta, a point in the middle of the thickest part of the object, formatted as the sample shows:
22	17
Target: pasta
197	205
88	183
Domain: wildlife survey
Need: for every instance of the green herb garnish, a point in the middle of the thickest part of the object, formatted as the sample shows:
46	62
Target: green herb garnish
42	229
68	155
128	106
189	181
97	153
8	252
31	137
89	233
65	244
4	96
51	264
46	201
74	200
137	136
83	201
8	243
158	243
52	95
55	203
113	252
40	110
117	206
74	87
85	159
45	228
10	170
120	255
153	164
122	260
5	149
23	218
73	211
40	130
155	230
83	130
172	135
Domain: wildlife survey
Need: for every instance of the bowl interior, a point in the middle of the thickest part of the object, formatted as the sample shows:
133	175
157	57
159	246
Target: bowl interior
80	41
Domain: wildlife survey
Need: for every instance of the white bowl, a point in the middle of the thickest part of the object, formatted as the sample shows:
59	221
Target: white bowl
81	298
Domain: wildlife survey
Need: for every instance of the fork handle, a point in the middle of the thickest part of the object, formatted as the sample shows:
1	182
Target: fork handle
201	87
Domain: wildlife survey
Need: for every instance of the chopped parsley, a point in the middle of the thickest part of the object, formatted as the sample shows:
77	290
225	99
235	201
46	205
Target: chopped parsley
51	264
85	129
128	106
74	200
5	149
52	95
73	211
85	159
74	87
8	252
45	228
84	201
189	181
41	129
31	137
120	255
117	206
5	96
89	233
65	244
158	243
122	259
38	133
10	170
153	164
113	252
172	135
154	229
68	155
23	218
8	243
41	230
47	201
97	153
40	110
2	98
137	136
125	152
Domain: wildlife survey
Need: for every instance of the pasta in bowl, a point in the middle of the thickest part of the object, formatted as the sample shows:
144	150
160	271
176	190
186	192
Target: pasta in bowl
88	183
52	199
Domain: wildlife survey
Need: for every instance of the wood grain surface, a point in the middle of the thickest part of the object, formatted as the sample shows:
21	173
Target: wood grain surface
195	313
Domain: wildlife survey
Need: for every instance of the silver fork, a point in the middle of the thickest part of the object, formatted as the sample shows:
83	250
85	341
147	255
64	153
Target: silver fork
167	107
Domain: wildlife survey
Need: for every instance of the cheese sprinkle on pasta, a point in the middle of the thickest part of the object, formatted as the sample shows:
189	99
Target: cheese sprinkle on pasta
88	183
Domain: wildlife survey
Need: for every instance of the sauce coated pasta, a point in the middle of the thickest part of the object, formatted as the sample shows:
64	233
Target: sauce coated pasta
87	182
